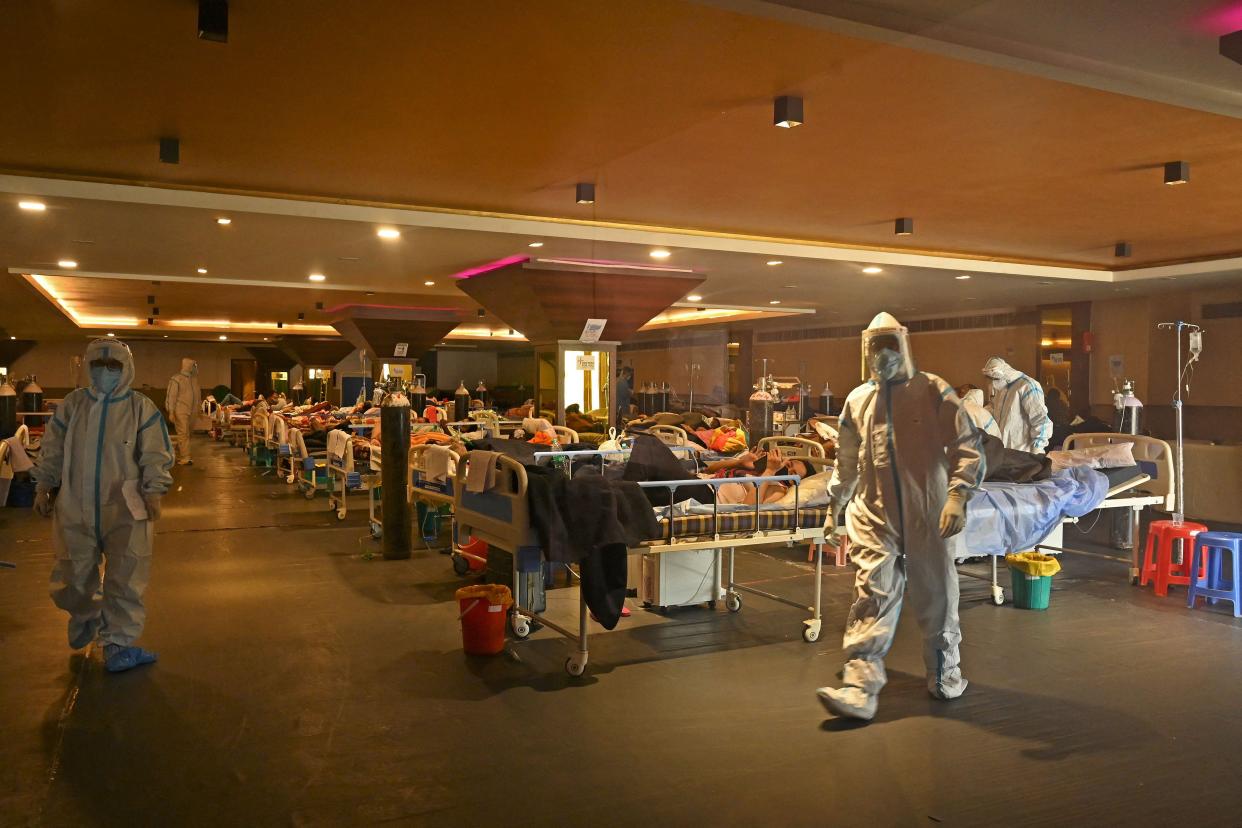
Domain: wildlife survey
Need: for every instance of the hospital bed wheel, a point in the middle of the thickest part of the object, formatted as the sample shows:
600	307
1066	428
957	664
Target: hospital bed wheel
520	627
810	631
461	566
576	664
290	479
998	595
340	514
309	494
733	602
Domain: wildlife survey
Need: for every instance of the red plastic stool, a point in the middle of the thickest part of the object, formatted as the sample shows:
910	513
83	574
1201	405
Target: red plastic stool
1160	538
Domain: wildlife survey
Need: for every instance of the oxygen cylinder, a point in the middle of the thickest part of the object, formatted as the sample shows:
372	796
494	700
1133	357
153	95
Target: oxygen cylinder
665	395
480	393
759	413
8	411
32	400
651	398
418	395
461	402
825	400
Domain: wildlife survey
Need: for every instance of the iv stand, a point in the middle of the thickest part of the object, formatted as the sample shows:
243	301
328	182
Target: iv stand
1179	508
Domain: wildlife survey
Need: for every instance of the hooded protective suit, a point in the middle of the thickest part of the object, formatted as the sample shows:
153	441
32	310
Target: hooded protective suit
1018	406
907	455
99	445
181	402
979	414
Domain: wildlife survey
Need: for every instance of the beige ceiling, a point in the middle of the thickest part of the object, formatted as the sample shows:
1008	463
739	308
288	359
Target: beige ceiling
502	106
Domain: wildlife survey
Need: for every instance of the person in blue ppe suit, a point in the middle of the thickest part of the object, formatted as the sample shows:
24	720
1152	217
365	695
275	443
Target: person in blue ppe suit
107	452
908	455
1018	405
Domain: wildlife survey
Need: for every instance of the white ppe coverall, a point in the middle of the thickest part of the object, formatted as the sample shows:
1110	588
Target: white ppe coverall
1018	406
907	456
95	447
181	402
979	414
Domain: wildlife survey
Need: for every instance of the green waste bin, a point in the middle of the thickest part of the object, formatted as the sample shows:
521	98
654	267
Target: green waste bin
1032	578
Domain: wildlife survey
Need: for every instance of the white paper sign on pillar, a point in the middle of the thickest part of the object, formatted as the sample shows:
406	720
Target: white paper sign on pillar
586	362
401	350
593	331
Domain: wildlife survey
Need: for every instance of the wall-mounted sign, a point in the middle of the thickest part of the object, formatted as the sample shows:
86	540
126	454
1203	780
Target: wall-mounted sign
1117	365
1056	359
401	350
593	331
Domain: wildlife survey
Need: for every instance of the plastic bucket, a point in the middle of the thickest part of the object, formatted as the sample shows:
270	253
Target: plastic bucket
475	548
483	612
1031	592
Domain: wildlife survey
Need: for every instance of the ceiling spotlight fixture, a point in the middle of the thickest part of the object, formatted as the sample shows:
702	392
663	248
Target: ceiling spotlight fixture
150	320
1176	172
388	233
319	306
170	151
535	244
150	298
155	311
213	20
301	316
584	192
660	254
32	206
67	264
429	282
1122	250
202	270
962	277
774	262
1231	46
904	227
317	277
872	269
280	325
787	111
223	220
694	297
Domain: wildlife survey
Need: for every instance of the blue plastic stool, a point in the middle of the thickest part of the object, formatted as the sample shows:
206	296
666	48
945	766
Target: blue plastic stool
1213	546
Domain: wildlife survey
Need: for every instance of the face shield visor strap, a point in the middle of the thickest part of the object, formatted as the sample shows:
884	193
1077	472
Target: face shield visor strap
878	340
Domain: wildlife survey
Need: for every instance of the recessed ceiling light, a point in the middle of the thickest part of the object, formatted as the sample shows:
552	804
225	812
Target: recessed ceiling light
873	269
202	270
223	220
774	302
67	264
166	336
789	287
111	334
317	277
32	206
694	297
370	293
12	337
388	233
265	339
429	283
660	254
787	111
222	336
962	277
535	244
774	262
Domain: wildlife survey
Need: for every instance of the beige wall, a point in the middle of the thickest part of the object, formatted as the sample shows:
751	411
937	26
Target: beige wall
957	356
666	362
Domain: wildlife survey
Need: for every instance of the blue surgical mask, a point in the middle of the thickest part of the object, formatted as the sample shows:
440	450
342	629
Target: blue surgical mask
105	380
886	363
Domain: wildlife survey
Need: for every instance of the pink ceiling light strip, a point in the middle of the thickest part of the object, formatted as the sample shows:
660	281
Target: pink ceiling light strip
490	266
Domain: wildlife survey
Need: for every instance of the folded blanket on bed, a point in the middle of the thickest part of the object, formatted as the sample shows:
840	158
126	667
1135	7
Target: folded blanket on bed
481	473
439	464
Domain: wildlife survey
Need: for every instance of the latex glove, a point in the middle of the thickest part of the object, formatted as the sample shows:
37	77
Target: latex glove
43	502
152	502
953	515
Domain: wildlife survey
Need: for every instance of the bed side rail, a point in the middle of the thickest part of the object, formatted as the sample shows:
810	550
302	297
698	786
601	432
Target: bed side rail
1146	449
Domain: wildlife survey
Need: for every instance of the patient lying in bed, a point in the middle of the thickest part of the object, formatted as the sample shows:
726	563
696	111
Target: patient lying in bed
770	492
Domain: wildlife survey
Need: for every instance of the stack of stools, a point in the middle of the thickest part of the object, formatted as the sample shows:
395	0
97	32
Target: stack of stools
1157	560
1210	551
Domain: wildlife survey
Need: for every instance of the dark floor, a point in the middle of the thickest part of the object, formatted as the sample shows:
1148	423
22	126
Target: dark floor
304	683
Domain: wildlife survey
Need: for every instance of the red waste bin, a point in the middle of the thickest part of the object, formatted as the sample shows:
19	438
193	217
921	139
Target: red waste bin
484	611
475	553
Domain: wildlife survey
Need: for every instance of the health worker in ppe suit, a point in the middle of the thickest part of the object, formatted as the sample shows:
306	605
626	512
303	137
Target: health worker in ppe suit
107	451
181	403
972	401
907	457
1018	406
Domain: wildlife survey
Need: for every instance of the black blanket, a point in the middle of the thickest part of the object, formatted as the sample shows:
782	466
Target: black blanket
1013	466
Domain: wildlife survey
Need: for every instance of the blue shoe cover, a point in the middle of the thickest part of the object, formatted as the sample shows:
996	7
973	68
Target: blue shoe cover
120	659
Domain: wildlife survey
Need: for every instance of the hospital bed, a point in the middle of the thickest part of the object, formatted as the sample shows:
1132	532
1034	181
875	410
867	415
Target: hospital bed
792	446
669	435
501	518
1151	484
346	477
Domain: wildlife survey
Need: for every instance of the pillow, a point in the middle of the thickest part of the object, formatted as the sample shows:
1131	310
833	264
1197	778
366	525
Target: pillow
1111	456
812	491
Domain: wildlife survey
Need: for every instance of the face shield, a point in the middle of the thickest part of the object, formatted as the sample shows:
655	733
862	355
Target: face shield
886	350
